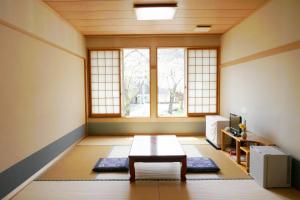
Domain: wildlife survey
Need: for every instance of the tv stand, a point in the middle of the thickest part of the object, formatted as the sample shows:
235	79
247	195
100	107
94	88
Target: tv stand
251	137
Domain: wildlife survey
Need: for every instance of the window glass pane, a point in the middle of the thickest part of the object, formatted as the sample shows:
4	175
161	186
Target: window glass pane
170	77
102	109
108	62
192	69
101	54
101	102
136	83
213	53
205	54
213	69
101	62
101	70
94	54
95	86
192	53
95	102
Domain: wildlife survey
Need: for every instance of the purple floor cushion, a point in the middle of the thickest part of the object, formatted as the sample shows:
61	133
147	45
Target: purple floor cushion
194	165
111	165
201	164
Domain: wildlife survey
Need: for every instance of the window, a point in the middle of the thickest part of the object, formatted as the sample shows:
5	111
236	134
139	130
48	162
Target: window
105	82
202	81
187	82
136	83
106	85
171	82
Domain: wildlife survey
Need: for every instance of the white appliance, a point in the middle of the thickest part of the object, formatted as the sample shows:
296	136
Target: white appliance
214	124
270	167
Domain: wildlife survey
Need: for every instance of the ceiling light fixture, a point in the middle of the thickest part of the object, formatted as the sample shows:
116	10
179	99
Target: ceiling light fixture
202	28
163	11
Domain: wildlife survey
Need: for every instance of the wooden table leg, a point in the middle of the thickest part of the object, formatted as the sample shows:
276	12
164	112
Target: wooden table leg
131	170
247	161
183	169
222	141
238	151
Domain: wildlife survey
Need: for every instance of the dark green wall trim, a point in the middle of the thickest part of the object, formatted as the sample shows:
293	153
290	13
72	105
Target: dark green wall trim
21	171
296	173
131	128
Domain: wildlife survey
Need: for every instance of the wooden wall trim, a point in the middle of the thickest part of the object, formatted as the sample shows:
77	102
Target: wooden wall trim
32	35
262	54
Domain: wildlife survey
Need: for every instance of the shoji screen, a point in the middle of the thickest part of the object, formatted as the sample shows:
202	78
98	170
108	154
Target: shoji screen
105	82
202	81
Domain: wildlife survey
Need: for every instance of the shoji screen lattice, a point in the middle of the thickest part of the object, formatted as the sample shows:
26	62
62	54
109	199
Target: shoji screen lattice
202	81
105	82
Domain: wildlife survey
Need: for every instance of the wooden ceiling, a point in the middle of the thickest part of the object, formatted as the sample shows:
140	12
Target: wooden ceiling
117	17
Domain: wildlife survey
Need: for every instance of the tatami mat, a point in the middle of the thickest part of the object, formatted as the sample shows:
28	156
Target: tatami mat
229	169
192	140
78	164
153	190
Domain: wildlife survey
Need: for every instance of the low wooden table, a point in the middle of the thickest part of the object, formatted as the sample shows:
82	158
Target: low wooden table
161	148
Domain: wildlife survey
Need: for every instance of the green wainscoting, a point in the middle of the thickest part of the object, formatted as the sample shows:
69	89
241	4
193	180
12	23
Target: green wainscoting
132	128
21	171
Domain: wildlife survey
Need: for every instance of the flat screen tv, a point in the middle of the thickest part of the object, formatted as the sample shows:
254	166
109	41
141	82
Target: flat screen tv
234	122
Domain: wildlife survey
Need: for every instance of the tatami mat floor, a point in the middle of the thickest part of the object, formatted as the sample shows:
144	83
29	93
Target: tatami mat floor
168	190
115	190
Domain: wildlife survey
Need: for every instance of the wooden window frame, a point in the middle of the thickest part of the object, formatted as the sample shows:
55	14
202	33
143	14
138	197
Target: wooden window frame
119	115
202	114
99	115
89	86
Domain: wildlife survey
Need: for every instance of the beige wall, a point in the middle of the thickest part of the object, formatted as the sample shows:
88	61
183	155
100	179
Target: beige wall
37	18
41	84
273	25
265	90
152	42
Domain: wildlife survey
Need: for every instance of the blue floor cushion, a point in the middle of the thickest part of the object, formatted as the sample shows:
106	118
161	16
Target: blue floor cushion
201	164
111	165
194	165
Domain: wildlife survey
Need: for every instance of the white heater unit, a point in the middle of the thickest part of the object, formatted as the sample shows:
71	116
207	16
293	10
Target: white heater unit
270	167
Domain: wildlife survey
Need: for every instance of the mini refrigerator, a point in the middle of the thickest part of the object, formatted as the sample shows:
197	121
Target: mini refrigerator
214	124
270	167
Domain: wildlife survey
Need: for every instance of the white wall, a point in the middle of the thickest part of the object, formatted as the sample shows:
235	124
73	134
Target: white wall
266	87
41	79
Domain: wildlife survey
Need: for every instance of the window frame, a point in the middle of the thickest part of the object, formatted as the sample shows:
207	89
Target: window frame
202	114
152	61
98	115
89	84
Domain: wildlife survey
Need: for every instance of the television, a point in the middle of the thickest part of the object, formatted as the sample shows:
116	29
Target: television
234	122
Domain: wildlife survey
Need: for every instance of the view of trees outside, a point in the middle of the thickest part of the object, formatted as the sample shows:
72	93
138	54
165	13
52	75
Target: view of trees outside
170	68
136	83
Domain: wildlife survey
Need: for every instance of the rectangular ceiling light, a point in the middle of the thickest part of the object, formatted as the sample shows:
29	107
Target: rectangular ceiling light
155	11
202	28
